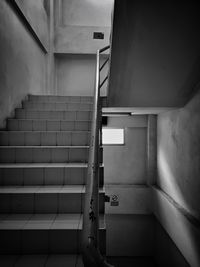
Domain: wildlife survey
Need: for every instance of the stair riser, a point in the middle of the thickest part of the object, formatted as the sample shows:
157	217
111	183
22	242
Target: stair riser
48	125
27	203
44	155
60	99
44	176
53	115
44	138
45	241
57	106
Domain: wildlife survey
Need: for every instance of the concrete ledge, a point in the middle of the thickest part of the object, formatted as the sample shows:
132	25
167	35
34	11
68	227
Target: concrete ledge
182	230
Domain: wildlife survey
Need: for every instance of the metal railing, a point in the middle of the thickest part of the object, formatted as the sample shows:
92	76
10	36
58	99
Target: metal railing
90	235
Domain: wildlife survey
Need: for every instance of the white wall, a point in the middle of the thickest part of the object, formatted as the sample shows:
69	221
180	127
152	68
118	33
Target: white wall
87	12
76	75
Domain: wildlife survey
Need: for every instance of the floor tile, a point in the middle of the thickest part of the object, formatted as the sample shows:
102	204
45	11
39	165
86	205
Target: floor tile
66	221
31	261
61	261
8	260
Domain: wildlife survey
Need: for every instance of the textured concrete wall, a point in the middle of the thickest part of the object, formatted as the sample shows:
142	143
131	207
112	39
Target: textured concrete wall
155	53
178	160
179	155
22	62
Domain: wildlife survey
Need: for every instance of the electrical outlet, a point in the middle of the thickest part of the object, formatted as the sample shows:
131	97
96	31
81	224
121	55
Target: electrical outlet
98	35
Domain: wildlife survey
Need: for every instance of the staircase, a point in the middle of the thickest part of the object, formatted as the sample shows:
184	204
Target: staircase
43	167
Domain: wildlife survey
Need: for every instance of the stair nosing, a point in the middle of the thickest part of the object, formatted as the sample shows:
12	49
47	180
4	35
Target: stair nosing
50	110
28	222
46	165
42	131
87	146
46	189
48	120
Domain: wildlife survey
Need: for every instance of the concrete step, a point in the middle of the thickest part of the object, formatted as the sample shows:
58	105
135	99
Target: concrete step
43	138
45	199
44	154
41	260
48	125
44	233
53	115
60	99
45	174
56	106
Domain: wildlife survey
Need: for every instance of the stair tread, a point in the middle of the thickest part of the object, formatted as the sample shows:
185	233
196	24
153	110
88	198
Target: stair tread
43	165
74	146
21	132
50	110
41	260
45	189
42	189
27	119
55	102
54	221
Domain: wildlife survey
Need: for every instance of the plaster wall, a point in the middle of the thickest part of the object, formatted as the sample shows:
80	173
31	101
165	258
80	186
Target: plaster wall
125	175
130	235
132	169
36	15
180	226
86	12
179	155
75	22
155	53
178	158
22	62
167	257
75	75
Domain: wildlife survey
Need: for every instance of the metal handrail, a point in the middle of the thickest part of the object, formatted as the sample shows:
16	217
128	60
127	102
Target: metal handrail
90	235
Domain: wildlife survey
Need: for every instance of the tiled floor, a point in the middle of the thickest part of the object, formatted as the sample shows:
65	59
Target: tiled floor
68	261
131	261
41	261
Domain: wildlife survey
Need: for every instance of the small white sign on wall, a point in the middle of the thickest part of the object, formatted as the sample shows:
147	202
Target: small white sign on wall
111	136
